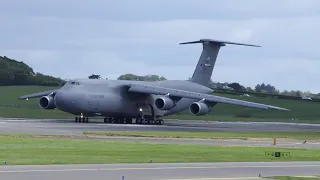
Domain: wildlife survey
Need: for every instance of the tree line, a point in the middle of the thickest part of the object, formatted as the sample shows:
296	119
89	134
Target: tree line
262	89
132	77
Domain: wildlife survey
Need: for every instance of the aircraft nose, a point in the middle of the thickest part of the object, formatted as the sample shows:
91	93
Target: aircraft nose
64	101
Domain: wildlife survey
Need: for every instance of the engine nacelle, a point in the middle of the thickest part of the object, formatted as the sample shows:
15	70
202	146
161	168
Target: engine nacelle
164	103
199	108
46	102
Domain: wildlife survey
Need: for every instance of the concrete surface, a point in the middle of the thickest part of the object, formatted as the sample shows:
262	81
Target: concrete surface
68	127
190	171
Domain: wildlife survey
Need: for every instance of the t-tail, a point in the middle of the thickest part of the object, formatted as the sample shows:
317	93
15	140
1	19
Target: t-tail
203	71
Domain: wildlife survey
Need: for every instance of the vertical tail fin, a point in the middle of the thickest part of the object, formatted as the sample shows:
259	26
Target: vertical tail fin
203	71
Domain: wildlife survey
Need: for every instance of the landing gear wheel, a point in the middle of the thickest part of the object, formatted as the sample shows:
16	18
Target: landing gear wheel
121	120
76	119
128	121
159	122
116	120
138	121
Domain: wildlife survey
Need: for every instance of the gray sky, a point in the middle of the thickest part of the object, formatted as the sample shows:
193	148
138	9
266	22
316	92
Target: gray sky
75	38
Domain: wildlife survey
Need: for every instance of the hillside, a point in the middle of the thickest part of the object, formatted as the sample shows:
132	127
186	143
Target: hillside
13	72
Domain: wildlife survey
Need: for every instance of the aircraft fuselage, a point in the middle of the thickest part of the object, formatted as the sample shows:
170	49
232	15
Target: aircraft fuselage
110	98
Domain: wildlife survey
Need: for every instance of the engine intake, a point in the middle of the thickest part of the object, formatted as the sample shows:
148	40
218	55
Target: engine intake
199	108
164	103
46	102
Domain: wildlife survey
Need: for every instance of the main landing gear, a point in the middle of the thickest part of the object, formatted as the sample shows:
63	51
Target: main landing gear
149	121
139	120
81	119
114	120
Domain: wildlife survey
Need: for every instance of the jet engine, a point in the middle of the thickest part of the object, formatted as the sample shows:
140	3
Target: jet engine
164	103
46	102
199	108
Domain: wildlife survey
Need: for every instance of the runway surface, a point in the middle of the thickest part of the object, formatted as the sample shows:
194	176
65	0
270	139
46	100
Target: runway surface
68	127
181	171
65	126
197	171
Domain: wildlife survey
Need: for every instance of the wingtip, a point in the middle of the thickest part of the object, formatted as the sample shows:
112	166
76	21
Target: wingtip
21	98
279	108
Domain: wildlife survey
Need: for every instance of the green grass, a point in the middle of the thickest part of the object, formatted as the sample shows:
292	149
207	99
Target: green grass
215	135
230	118
23	150
294	178
302	111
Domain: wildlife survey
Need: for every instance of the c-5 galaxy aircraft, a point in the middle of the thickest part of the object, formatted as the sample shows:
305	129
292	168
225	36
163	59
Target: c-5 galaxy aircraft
121	101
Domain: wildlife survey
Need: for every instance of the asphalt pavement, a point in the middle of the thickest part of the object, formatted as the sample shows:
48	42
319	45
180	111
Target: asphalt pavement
70	128
179	171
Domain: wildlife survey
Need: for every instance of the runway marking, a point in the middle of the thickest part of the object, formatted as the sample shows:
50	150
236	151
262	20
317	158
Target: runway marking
151	168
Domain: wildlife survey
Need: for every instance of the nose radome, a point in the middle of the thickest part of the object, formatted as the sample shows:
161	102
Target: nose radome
65	100
59	100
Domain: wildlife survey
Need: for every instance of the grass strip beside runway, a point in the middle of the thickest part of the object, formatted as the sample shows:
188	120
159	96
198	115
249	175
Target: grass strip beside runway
23	150
215	135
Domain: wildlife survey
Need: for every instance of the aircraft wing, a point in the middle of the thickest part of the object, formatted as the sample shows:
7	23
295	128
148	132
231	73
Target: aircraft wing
38	94
147	89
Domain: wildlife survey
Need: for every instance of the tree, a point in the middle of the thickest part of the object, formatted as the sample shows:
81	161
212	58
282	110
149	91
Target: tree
298	93
266	88
258	88
236	86
141	78
94	76
249	89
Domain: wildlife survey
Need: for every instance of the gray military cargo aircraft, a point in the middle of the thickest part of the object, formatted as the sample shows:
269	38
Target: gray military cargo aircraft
121	101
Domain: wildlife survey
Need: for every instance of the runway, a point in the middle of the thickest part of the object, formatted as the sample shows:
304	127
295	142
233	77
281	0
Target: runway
75	130
180	171
68	126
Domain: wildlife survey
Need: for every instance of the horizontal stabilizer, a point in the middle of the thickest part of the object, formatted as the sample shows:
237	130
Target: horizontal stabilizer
221	43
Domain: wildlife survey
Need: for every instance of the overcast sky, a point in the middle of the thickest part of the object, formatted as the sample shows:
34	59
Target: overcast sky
75	38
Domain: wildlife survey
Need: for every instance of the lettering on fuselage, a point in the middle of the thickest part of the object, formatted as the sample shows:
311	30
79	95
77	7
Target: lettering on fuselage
97	96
